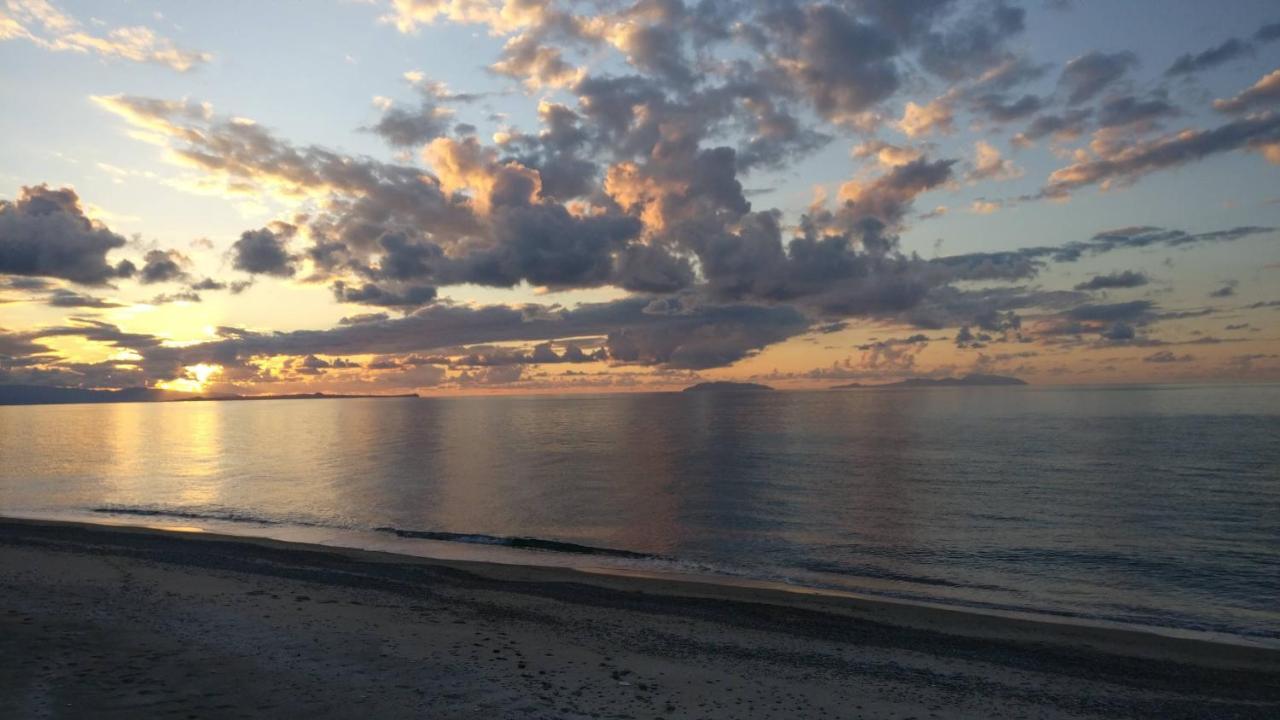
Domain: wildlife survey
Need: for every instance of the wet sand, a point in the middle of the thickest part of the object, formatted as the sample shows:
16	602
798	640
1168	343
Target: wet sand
113	622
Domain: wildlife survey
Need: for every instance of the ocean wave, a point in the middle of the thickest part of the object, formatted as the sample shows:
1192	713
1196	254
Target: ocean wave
524	543
219	515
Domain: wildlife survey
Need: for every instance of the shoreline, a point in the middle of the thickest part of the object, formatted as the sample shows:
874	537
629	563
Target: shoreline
1145	642
123	622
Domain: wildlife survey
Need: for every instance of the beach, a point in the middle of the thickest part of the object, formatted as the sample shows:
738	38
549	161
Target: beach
130	622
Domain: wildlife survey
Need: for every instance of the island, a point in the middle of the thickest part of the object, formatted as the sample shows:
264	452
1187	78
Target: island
725	386
975	380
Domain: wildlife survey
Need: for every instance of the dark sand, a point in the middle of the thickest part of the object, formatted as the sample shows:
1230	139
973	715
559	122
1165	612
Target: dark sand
123	623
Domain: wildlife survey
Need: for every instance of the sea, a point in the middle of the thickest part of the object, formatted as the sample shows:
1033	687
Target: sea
1149	506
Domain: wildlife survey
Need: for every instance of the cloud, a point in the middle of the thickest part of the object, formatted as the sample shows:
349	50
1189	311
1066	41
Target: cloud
184	296
1167	356
163	266
1115	280
47	27
433	117
1130	109
1002	110
44	232
264	252
1086	76
989	164
973	44
680	334
1261	95
371	294
1227	290
1128	163
70	299
844	65
1066	126
936	116
1188	63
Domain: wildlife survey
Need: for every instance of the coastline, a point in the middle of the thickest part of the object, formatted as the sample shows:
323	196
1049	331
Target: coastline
128	620
507	564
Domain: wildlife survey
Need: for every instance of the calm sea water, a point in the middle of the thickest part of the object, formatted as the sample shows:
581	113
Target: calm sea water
1156	506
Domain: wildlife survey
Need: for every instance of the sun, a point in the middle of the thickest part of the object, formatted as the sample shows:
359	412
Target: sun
196	378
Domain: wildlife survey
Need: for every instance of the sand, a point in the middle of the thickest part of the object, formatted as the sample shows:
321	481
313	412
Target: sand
112	622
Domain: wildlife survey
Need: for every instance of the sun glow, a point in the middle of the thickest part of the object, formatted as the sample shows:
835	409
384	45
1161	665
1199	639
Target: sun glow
196	379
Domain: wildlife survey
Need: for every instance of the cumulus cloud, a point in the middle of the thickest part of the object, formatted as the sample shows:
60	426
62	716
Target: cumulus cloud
163	266
264	252
45	232
989	164
936	116
641	171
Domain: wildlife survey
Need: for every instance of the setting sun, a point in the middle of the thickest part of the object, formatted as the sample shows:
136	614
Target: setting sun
196	378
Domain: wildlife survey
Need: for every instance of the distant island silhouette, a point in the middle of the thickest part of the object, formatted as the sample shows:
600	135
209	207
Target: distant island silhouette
51	395
975	380
725	386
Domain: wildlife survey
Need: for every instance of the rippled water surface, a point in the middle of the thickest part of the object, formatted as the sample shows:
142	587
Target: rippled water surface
1148	505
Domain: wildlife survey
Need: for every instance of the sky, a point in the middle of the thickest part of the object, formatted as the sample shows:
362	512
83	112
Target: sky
468	196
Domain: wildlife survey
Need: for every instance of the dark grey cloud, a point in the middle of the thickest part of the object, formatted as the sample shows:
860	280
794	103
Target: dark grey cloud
25	283
1130	162
947	306
1268	33
917	339
1130	109
70	299
433	118
410	296
1119	331
1227	290
683	334
1167	356
844	261
845	66
44	232
181	296
975	43
1086	76
999	108
264	252
541	354
1067	125
235	287
1115	280
400	127
1189	63
1026	263
906	19
363	318
1132	311
209	284
162	266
